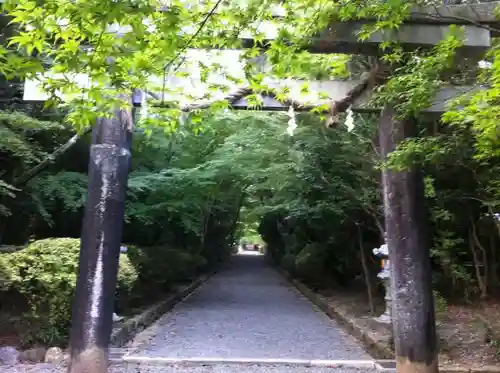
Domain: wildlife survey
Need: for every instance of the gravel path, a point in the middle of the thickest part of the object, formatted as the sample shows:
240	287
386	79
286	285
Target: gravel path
249	311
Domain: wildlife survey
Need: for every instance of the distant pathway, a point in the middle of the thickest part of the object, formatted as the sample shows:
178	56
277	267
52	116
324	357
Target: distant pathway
249	311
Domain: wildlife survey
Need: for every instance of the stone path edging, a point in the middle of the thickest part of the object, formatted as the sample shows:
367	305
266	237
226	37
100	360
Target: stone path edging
248	361
127	331
486	369
384	350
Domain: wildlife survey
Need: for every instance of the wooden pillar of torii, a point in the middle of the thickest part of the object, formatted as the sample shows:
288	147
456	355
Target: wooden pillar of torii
414	325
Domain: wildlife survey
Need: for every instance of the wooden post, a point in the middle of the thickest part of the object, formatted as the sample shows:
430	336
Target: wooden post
100	243
405	215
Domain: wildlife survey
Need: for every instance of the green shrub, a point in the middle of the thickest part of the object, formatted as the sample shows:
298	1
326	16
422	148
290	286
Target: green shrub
126	283
44	273
6	273
310	264
160	267
440	303
288	263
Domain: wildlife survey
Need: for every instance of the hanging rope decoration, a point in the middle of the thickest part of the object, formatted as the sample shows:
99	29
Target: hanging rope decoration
369	80
292	124
349	120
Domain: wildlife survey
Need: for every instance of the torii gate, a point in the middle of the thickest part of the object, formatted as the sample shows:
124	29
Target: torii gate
414	324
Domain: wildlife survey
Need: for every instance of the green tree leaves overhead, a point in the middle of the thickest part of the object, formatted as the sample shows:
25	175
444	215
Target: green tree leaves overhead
122	45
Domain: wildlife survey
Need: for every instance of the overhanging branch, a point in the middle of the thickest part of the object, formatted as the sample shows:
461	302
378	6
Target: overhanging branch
32	172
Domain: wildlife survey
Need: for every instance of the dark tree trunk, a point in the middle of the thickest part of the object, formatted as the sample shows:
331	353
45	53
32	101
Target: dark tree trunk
405	216
100	244
234	224
366	271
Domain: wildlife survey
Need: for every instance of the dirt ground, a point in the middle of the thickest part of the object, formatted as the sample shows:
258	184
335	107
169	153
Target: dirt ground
469	336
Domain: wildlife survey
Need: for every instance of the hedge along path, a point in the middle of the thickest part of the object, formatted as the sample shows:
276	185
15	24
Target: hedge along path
415	338
44	274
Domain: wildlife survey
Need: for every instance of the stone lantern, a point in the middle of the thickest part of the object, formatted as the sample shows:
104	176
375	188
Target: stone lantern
385	276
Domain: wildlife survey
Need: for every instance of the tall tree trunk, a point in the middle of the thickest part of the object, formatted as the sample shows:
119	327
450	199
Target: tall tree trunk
493	261
236	218
405	218
366	271
100	243
207	213
479	261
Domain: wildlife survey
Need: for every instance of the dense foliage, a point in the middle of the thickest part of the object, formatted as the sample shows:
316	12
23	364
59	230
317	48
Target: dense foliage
44	276
328	214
